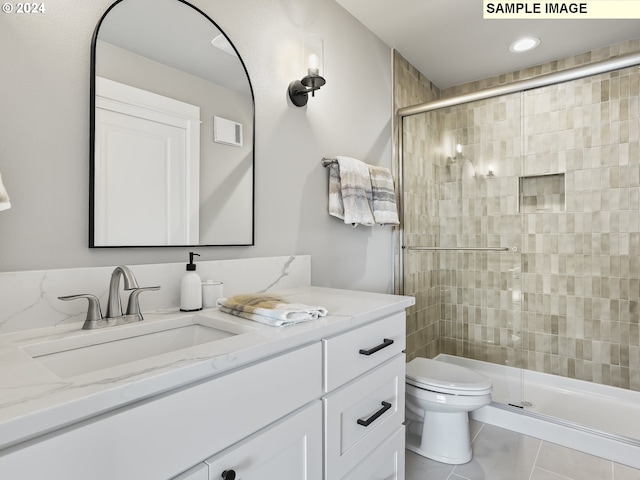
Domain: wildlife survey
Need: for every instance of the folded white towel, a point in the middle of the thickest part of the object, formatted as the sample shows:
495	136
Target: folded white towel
383	203
4	197
269	309
350	192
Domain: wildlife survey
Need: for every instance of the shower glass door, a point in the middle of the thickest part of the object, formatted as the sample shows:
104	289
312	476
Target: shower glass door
552	175
462	237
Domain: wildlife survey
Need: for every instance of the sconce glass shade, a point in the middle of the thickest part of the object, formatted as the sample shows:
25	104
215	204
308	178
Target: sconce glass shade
313	61
314	55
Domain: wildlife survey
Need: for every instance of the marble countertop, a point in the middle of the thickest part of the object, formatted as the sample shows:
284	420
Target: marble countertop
35	401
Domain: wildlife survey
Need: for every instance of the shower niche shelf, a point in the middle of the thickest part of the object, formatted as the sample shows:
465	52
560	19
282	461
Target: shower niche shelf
542	193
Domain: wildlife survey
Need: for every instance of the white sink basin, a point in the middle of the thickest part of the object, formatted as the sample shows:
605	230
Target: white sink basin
90	351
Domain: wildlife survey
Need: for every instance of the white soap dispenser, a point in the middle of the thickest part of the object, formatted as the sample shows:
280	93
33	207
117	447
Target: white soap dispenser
191	288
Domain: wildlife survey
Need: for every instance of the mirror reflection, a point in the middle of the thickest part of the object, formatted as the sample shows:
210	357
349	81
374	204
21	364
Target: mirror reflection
172	159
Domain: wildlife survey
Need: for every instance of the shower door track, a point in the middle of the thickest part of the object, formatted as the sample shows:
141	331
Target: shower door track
567	75
462	249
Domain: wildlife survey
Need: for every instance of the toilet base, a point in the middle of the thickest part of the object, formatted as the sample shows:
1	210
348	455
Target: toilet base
444	437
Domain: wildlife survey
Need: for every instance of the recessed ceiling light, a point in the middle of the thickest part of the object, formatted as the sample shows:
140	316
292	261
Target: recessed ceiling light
524	44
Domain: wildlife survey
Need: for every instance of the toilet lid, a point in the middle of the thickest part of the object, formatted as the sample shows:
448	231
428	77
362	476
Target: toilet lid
446	377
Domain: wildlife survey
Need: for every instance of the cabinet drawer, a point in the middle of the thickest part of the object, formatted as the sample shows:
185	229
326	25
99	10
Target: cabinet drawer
385	463
351	354
359	416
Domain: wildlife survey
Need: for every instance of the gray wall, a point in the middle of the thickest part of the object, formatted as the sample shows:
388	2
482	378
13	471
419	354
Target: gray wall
44	138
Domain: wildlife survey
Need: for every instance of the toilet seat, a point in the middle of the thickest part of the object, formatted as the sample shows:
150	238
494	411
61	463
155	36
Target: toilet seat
446	378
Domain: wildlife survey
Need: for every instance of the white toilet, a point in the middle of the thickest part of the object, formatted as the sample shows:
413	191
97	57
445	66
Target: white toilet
439	397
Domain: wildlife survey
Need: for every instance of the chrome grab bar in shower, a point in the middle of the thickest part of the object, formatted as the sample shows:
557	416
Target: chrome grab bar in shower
468	249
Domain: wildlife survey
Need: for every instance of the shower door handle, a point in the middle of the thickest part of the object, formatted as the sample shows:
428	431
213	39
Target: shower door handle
385	343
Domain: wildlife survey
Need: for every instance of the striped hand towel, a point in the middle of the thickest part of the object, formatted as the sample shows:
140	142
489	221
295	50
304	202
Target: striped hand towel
350	192
383	203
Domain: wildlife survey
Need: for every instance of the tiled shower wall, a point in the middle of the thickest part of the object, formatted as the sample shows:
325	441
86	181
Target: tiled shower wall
581	267
420	207
565	298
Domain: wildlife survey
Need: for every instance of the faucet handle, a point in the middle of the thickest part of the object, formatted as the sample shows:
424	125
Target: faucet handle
94	314
133	306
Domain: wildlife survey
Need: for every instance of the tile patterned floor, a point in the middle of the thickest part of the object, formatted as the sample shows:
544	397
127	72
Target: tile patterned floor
500	454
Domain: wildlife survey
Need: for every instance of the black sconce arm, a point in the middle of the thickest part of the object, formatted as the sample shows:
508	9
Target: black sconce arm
299	89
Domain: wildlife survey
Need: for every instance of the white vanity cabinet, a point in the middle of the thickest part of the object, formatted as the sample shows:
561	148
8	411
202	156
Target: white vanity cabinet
161	437
363	412
364	401
360	422
322	401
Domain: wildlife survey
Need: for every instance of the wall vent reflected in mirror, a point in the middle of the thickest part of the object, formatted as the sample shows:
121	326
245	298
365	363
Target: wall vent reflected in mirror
542	193
227	132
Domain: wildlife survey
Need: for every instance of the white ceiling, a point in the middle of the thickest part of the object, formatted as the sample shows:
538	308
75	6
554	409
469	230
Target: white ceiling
451	44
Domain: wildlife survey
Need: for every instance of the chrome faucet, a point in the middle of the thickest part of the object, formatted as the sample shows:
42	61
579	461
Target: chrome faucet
114	307
115	315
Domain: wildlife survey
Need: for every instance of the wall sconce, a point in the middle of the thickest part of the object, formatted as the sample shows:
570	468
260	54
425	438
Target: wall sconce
313	80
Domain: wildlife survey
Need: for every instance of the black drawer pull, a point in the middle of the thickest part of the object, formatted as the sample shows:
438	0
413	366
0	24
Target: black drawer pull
365	423
229	475
385	343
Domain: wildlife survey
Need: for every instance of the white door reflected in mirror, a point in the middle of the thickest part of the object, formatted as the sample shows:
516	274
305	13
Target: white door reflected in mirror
150	145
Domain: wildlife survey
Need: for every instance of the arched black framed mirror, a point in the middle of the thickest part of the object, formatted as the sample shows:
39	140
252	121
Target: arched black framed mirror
172	130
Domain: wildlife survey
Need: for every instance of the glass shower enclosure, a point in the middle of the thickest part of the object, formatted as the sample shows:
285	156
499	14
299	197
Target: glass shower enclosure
521	226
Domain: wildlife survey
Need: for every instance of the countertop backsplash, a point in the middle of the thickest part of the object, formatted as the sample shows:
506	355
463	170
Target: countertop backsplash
29	299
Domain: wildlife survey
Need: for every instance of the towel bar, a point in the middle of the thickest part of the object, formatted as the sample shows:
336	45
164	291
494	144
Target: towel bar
328	161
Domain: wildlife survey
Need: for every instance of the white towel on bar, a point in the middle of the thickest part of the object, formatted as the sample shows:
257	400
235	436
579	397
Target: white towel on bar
383	203
5	204
350	192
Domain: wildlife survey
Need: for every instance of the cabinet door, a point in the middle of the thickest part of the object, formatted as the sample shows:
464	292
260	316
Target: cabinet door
385	463
291	449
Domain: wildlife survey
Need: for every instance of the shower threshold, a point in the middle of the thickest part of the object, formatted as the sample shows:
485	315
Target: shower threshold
596	419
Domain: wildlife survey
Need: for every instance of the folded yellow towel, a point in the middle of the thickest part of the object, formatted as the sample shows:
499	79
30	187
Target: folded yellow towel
269	309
